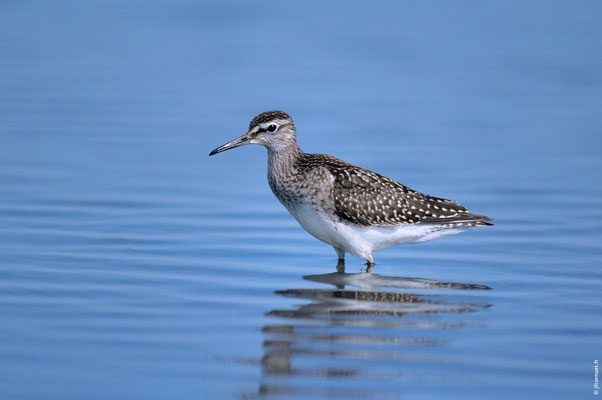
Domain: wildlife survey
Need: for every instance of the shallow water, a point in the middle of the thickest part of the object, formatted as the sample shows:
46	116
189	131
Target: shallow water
134	266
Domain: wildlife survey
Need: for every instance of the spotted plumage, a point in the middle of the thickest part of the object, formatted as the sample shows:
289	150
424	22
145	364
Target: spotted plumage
353	209
367	198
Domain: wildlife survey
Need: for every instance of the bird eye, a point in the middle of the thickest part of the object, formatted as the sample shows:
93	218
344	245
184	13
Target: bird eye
271	128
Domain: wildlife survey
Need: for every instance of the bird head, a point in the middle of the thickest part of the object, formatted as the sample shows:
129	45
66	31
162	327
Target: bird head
271	129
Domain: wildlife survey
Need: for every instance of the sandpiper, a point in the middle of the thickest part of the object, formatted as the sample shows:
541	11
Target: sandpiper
355	210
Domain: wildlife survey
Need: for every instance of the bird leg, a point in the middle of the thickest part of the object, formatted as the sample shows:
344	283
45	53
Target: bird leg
369	264
341	262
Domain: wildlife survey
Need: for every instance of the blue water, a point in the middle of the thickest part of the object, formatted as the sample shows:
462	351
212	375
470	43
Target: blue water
134	266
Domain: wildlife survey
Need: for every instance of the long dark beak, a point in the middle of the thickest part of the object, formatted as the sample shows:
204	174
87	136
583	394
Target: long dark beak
239	141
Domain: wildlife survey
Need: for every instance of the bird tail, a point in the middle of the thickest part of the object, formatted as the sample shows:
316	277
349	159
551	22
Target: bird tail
473	219
465	218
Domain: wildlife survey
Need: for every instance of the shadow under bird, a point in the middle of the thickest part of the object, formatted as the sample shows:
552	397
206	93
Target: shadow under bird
355	210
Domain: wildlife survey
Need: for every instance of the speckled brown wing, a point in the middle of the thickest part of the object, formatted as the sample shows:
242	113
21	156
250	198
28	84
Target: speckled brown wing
367	198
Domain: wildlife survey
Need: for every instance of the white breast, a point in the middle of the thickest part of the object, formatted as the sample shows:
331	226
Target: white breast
362	241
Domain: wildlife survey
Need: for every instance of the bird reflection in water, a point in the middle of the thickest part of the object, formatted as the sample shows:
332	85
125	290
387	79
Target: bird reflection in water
366	318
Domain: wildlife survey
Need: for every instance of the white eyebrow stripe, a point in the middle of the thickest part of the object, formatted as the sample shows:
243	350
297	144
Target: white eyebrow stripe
278	122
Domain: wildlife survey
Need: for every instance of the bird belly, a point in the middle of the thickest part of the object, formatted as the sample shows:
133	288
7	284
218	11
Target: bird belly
361	241
316	223
382	237
327	229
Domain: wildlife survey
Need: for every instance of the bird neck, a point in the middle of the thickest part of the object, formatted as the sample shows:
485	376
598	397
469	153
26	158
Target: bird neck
282	160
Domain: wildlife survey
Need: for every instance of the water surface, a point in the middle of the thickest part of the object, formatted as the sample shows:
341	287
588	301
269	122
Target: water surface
134	266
